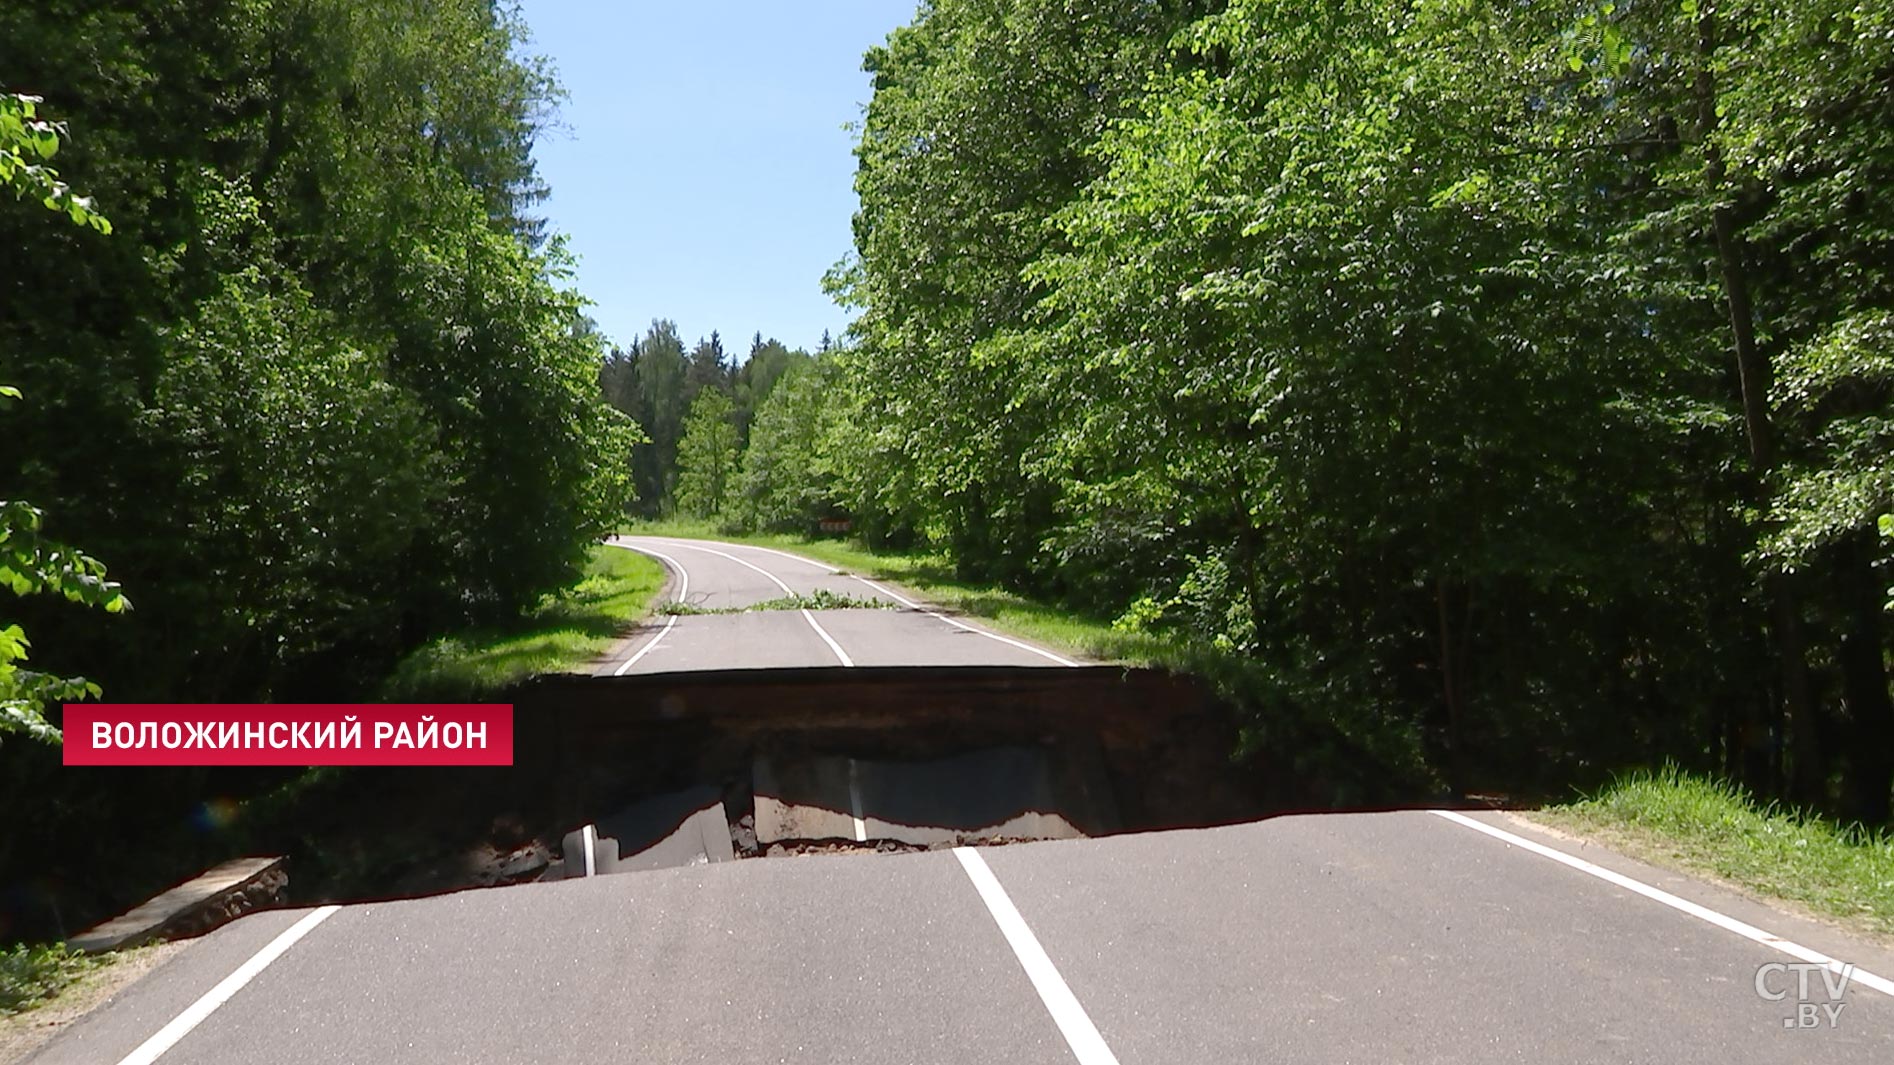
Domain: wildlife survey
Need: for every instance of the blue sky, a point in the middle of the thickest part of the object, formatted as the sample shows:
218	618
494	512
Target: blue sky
703	173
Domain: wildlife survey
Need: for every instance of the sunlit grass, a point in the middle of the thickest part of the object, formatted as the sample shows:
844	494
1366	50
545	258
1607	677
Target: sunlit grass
29	975
1714	827
567	632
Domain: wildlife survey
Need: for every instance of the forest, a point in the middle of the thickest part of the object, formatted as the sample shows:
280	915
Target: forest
316	387
294	381
1510	384
697	411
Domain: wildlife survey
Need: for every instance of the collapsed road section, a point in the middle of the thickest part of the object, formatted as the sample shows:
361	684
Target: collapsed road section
621	774
797	760
678	769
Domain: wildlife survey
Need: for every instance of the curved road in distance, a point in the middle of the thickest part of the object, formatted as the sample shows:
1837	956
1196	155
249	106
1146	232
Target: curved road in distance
716	576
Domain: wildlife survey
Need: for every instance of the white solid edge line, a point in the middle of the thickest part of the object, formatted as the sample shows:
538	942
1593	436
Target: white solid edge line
683	575
855	800
711	550
912	605
830	640
896	596
167	1037
770	550
840	655
683	590
903	600
1077	1027
625	666
1703	913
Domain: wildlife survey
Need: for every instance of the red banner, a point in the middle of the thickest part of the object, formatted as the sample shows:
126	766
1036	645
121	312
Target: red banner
288	734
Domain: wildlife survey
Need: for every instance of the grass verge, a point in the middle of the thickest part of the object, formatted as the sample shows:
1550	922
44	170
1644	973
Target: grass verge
1707	826
566	632
62	991
29	975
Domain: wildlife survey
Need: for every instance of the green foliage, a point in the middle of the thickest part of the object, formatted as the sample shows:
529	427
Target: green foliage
1717	827
757	378
29	562
1845	478
337	393
32	974
566	632
26	142
1416	357
707	455
791	476
981	127
656	383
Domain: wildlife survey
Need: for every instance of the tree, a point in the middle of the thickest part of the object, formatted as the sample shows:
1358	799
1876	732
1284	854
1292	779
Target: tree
708	368
707	455
658	368
30	562
768	361
790	477
339	394
1552	379
980	128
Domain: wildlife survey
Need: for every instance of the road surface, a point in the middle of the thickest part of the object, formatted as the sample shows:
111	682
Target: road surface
1414	936
1395	937
715	576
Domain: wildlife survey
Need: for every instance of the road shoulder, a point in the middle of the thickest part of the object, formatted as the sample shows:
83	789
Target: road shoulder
24	1033
1645	861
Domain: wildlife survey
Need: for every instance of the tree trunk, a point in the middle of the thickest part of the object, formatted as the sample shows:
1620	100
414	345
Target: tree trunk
1249	557
1808	770
1450	690
1869	797
1808	783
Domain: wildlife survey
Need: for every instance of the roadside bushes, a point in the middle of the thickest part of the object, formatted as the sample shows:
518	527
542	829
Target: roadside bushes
323	392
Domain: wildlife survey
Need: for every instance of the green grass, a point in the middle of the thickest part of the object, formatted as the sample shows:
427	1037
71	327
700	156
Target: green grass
29	975
1708	826
565	632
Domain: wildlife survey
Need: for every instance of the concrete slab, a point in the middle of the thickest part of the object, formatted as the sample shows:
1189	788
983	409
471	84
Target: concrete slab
681	828
572	847
198	905
1013	792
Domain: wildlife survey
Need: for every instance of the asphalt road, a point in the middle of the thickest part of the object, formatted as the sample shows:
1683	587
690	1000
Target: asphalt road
1328	938
1401	937
714	576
